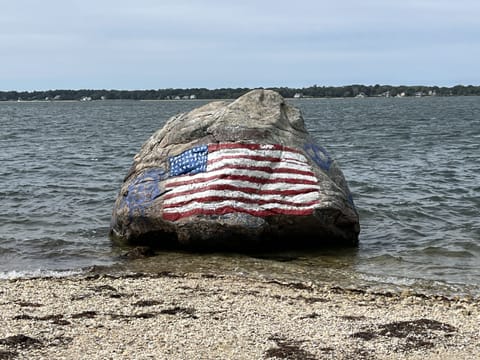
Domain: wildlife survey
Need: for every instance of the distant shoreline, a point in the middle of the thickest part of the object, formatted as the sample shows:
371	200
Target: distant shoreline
195	100
348	91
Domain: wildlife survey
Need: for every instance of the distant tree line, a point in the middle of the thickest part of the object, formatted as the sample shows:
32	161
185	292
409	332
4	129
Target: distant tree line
233	93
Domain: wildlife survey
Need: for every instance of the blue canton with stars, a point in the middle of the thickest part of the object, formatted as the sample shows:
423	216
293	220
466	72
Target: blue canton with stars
192	161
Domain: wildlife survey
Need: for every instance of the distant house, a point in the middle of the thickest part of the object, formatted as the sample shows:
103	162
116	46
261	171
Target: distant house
193	97
361	95
384	94
298	96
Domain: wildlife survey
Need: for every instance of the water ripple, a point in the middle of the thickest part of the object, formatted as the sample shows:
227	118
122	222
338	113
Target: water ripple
412	165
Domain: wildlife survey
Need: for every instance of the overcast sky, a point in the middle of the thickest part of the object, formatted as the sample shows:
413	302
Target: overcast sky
147	44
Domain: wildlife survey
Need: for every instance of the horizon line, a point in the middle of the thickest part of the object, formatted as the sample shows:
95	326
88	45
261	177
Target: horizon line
233	88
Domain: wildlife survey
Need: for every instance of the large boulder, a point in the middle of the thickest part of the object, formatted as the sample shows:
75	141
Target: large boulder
244	175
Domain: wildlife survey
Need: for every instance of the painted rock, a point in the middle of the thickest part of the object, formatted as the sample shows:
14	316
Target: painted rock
244	175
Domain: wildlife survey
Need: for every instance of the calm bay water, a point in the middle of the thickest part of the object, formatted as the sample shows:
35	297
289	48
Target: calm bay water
413	165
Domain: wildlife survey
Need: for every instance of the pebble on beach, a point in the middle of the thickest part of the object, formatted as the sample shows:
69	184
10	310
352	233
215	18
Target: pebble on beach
198	316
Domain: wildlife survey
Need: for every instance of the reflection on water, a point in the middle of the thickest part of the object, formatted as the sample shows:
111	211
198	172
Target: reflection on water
318	266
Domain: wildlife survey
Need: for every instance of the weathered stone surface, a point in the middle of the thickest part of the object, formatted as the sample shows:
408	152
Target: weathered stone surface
224	212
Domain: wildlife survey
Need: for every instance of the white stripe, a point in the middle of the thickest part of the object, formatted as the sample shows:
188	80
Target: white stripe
235	204
299	199
257	163
285	155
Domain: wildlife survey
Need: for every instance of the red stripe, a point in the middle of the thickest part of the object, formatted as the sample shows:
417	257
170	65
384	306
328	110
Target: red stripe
242	199
245	189
266	169
251	179
251	157
230	209
221	146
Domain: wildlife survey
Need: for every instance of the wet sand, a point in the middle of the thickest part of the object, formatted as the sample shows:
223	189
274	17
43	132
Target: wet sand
202	316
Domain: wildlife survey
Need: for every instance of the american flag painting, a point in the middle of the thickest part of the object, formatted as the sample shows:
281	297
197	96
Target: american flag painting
261	180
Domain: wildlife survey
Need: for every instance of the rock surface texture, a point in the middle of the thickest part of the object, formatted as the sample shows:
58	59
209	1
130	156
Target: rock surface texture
244	175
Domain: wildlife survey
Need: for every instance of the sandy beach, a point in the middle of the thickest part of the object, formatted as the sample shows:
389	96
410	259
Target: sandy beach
200	316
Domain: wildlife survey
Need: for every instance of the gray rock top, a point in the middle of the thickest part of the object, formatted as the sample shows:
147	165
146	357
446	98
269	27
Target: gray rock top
243	148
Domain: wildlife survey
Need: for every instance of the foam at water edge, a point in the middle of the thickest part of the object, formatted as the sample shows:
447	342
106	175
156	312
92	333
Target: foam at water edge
39	273
394	280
